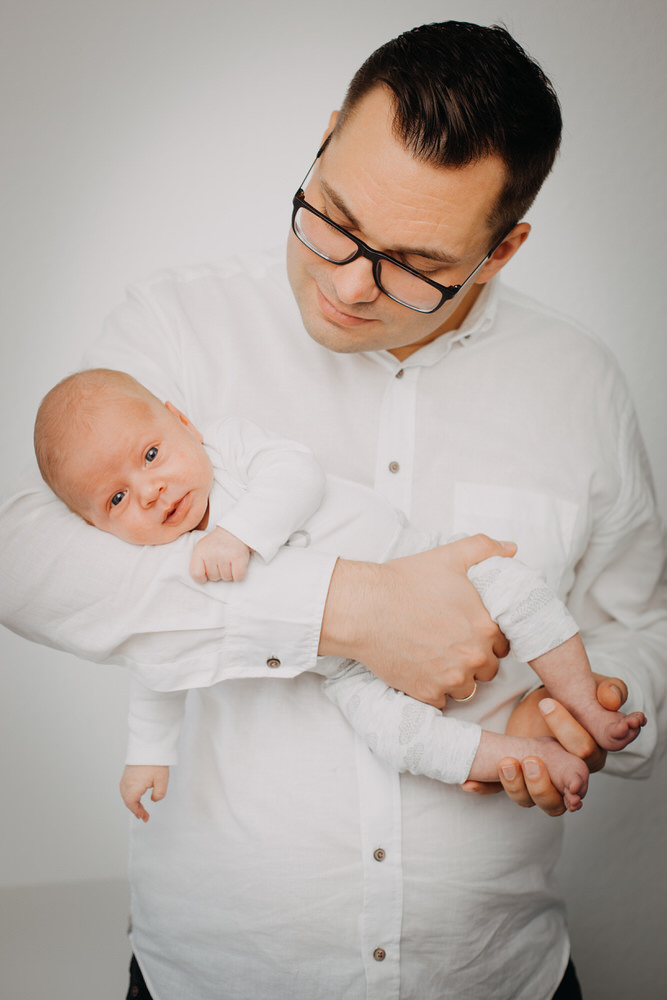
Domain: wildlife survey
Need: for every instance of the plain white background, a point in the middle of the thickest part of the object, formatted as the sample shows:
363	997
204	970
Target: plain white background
147	133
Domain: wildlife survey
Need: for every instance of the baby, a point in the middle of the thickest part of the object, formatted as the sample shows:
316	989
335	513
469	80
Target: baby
137	468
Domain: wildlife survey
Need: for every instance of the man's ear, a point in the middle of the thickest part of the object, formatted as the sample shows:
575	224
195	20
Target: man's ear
333	118
504	253
184	420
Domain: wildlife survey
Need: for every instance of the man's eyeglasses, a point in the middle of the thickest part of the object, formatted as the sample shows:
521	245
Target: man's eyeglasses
333	243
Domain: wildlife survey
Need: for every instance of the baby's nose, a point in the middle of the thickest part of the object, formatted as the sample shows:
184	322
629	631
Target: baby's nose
151	491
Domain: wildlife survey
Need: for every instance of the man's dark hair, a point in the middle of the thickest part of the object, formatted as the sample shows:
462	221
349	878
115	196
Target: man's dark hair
462	92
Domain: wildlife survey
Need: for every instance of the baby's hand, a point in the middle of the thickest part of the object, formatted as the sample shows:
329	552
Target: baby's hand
219	556
137	779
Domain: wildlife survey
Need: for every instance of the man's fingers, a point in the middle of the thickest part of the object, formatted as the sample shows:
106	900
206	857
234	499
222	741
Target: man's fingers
476	548
571	735
501	646
612	692
528	784
472	550
511	779
539	787
482	787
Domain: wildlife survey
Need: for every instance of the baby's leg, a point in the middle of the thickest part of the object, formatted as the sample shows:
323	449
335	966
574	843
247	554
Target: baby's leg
529	614
568	773
567	674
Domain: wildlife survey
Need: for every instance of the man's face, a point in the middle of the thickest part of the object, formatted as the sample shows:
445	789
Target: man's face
139	472
433	219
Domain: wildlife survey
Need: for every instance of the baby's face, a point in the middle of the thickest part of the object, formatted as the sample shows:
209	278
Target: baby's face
140	473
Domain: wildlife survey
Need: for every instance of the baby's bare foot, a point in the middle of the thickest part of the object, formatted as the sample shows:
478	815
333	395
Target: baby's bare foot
610	730
623	730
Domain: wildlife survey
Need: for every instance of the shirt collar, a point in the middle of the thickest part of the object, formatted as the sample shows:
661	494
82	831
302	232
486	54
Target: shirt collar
477	323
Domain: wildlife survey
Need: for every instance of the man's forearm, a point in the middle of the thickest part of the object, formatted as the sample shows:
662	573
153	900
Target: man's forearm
67	585
416	622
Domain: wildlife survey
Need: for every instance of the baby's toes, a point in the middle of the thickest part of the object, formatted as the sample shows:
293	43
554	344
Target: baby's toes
623	730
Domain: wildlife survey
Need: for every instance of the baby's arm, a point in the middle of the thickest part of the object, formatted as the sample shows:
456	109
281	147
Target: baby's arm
281	484
155	720
412	736
543	633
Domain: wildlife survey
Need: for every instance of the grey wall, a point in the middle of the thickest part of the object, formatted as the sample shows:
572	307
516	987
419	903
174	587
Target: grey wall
145	133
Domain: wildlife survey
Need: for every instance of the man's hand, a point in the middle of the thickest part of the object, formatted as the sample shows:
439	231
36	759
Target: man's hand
219	556
527	782
417	622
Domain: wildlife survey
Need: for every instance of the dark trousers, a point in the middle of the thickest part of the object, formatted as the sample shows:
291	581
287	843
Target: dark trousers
569	988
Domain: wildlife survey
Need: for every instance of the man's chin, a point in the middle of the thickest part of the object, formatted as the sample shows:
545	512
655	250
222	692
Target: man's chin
337	340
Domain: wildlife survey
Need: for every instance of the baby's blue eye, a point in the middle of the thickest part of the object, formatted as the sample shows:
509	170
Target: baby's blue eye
116	499
151	454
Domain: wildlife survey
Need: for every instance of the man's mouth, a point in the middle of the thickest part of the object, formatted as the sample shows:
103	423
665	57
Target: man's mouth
335	315
178	511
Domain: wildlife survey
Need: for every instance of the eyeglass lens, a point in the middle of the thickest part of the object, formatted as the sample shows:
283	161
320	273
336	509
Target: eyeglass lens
330	243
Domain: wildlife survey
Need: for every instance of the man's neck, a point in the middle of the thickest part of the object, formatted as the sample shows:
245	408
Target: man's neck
453	322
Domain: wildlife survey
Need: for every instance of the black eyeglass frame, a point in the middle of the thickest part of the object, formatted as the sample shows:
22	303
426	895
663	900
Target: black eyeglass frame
447	292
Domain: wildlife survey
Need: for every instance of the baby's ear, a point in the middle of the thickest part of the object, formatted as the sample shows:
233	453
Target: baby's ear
184	420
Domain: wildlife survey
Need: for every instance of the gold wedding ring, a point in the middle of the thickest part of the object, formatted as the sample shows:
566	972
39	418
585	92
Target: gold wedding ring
468	697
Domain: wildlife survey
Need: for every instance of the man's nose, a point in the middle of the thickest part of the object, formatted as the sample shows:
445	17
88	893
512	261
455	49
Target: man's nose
354	282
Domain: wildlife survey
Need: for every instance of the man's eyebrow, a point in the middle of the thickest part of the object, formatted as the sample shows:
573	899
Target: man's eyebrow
339	203
429	253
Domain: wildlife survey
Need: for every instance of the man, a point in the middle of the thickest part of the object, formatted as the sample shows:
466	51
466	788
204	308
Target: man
287	861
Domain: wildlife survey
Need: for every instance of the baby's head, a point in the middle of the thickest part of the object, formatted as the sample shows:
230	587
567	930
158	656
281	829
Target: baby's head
120	458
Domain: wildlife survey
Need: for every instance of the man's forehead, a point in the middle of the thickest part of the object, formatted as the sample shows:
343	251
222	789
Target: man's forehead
407	204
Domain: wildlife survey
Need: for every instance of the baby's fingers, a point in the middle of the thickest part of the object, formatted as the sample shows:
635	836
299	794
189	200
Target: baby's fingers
160	782
238	566
132	799
198	568
139	811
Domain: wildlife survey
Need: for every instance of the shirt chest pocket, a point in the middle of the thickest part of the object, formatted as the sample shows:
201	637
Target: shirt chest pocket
543	526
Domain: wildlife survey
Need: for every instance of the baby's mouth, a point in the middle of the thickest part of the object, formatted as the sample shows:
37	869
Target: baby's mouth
178	510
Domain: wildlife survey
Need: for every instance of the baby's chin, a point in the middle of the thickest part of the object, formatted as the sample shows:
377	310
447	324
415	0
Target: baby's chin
161	535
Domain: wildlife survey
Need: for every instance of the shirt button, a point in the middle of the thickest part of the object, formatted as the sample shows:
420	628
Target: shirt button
380	854
400	373
394	466
273	662
379	954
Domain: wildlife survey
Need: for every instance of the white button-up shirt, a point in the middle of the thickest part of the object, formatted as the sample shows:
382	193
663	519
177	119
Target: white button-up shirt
287	862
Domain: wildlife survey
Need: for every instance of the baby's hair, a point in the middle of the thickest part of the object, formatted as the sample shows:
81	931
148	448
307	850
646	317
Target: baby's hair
70	406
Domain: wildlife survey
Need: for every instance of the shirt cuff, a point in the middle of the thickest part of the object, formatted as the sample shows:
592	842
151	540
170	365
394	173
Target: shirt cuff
274	617
263	543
